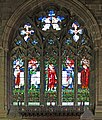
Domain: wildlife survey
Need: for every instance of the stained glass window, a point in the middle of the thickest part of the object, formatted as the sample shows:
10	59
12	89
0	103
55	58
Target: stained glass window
51	58
51	21
75	31
18	73
33	81
51	84
18	80
27	32
76	68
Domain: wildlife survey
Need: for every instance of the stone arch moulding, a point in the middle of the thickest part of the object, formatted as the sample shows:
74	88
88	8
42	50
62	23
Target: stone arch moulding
74	5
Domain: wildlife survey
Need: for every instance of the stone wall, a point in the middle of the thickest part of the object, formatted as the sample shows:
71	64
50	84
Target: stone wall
95	6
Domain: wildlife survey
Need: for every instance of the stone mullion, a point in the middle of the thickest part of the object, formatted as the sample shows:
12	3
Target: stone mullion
42	79
59	77
76	78
75	83
26	83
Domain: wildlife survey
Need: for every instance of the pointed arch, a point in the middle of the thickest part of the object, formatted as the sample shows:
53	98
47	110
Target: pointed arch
74	6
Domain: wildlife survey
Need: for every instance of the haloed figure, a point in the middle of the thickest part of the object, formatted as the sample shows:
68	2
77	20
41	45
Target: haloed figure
70	72
17	76
51	77
85	76
34	74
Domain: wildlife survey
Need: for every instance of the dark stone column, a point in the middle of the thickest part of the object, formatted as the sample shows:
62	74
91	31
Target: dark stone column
3	92
98	69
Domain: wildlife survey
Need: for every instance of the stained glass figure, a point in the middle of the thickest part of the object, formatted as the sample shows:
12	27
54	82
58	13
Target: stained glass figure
33	82
52	78
68	82
51	84
34	73
27	32
75	31
83	82
18	73
51	20
68	74
85	73
18	83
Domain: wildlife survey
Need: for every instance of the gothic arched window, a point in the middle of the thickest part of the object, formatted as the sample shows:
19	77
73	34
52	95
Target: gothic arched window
51	55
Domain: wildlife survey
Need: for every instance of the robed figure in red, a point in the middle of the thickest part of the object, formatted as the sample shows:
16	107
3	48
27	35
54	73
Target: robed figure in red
51	77
17	75
85	76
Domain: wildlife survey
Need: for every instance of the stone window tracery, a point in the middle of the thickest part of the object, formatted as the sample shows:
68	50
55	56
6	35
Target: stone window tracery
50	59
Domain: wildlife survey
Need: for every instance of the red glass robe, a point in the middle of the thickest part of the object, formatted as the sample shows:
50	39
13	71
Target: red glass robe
85	77
51	78
17	81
